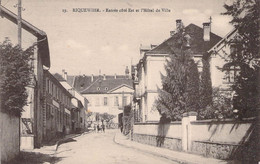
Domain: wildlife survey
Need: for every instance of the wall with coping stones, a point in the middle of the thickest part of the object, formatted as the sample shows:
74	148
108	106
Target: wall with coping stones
226	139
220	139
161	135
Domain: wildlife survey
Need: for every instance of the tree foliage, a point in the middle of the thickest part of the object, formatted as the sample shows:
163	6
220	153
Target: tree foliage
180	85
15	75
245	18
220	107
106	117
205	85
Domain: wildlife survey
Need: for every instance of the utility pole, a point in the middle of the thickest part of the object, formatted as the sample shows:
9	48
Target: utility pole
19	22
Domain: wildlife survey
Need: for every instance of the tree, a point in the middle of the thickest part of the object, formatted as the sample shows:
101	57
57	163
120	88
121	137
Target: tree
245	18
15	75
180	85
108	118
220	107
205	85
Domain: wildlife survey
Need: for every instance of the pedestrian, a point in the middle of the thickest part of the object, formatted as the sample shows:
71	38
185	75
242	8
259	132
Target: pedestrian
63	131
121	128
98	128
103	127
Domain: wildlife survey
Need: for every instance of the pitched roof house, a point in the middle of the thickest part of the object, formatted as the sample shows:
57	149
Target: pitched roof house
105	93
147	73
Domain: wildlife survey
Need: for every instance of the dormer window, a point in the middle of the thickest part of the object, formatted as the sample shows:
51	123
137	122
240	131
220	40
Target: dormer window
98	88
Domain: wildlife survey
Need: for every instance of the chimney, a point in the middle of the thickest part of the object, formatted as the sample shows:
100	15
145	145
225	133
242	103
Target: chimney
63	73
92	78
104	76
172	33
115	75
178	25
206	31
126	72
65	76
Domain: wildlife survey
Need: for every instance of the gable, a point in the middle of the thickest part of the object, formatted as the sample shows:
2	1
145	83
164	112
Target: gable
123	88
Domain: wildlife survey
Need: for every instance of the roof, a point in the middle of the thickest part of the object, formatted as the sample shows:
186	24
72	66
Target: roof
56	81
198	45
85	85
106	85
43	45
58	77
222	40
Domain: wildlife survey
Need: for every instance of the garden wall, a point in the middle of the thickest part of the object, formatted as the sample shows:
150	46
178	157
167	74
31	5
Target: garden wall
10	136
226	139
161	135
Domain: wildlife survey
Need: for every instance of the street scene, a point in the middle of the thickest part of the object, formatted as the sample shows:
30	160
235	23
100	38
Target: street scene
112	81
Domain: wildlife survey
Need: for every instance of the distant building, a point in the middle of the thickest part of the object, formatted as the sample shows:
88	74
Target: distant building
147	73
56	108
105	93
31	119
79	103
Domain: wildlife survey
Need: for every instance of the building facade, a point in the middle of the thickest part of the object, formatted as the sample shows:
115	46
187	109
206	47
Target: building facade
223	73
147	73
79	103
31	119
57	108
105	93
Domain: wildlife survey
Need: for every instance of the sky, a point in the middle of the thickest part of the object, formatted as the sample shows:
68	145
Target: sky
86	42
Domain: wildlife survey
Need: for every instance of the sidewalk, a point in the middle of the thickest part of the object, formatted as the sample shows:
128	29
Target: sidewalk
51	150
177	156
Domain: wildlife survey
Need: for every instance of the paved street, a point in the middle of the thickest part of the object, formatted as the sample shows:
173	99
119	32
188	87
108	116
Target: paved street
100	148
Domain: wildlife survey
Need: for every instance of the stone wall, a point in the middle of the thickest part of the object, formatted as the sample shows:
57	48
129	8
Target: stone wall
214	150
10	136
221	139
225	139
160	135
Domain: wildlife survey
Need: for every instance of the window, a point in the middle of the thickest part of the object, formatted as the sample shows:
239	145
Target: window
57	92
54	91
231	73
81	120
106	88
52	88
124	100
116	101
98	88
47	85
105	101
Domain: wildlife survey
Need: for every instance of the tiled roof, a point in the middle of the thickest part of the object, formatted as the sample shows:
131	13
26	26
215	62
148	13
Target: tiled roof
58	77
107	85
198	45
85	85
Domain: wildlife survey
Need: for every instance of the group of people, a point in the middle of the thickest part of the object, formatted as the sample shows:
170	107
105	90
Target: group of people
100	128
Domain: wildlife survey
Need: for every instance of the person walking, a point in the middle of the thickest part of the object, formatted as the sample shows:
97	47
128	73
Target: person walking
103	127
98	128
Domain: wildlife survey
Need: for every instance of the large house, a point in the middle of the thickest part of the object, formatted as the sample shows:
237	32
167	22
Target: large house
31	119
147	73
105	93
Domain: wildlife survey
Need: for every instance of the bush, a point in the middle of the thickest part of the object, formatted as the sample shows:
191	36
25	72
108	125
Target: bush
15	75
221	106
